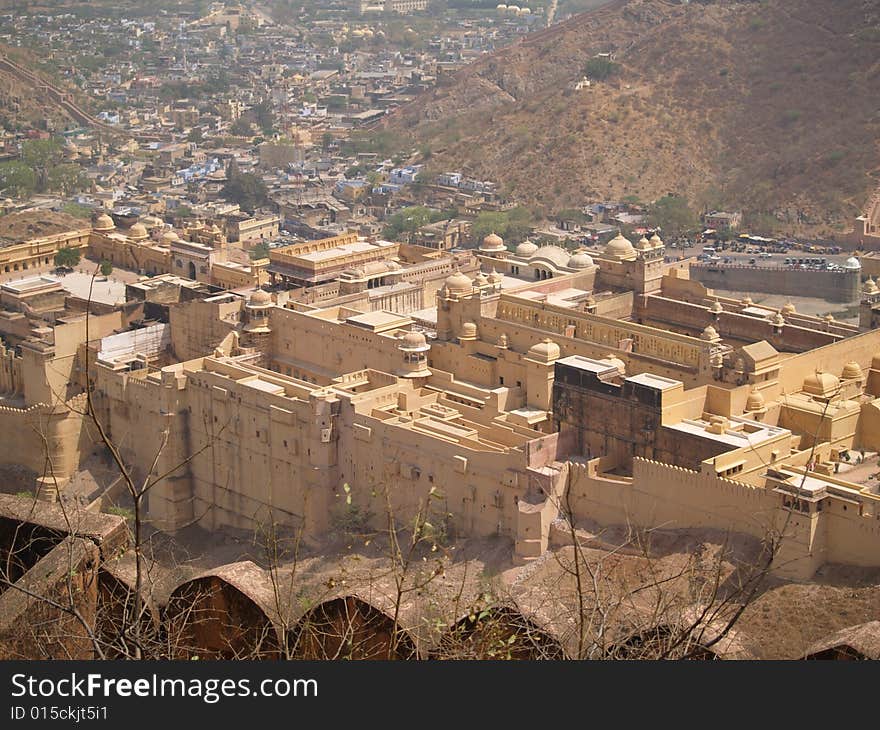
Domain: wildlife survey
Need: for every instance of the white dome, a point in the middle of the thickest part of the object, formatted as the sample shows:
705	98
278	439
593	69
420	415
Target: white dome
619	247
580	260
852	264
526	249
554	254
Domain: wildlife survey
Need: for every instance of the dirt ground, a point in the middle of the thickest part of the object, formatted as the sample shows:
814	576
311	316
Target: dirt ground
635	586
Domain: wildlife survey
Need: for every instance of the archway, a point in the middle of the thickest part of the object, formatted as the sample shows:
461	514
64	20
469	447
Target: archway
211	618
192	270
348	627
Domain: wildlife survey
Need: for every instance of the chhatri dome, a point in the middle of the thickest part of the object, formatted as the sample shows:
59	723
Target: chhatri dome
138	232
260	298
493	242
710	334
821	384
413	342
870	287
526	249
580	260
170	236
851	370
852	264
104	223
545	351
458	282
619	248
755	401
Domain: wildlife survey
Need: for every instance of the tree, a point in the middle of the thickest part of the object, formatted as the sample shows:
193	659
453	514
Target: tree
41	155
241	127
67	257
67	179
17	179
409	220
246	189
260	251
600	68
512	225
106	268
264	116
673	216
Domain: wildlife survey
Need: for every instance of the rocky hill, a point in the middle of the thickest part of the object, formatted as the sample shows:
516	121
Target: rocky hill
768	105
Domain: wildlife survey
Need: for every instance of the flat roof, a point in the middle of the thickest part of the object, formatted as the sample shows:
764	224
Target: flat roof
31	283
344	249
379	321
587	363
729	436
265	386
658	382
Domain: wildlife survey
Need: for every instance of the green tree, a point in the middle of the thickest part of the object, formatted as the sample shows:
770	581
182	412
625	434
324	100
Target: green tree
408	220
67	179
672	215
67	257
247	190
600	68
260	251
41	155
17	179
513	225
264	116
241	127
106	268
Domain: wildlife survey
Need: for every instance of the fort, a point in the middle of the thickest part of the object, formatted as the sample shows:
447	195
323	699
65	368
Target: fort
612	382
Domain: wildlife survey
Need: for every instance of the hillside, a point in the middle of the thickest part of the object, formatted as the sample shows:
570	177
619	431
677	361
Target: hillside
769	106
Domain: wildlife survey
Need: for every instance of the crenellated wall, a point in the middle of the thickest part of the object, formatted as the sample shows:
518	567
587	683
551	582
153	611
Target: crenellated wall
660	495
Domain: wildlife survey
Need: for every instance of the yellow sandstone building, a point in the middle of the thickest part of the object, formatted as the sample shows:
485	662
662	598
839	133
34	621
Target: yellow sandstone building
540	380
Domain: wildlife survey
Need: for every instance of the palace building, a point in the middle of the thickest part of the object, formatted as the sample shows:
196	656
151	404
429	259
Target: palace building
610	382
